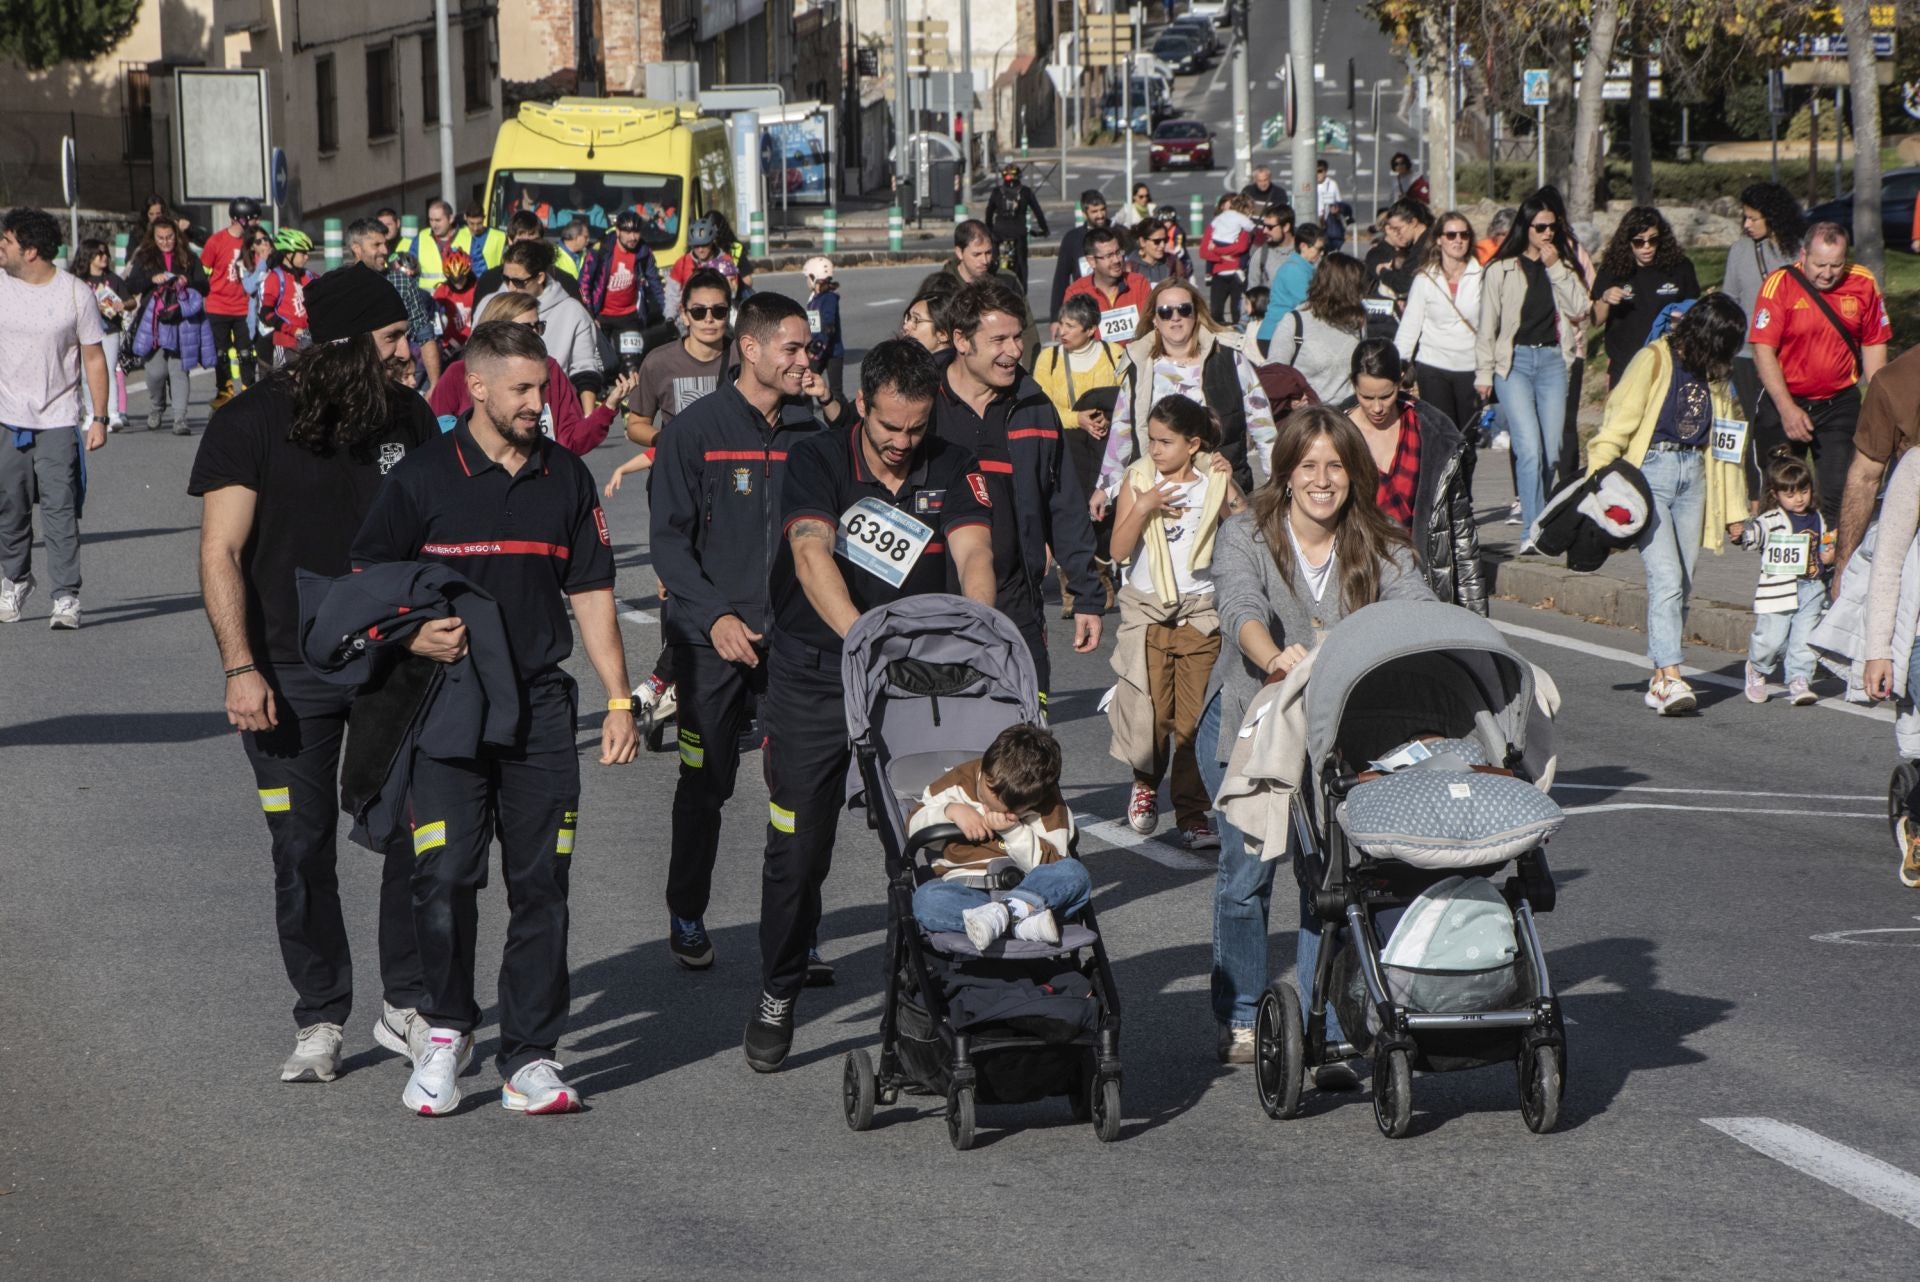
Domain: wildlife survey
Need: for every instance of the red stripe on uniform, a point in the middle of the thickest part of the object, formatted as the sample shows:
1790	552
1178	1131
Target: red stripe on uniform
990	466
504	547
1043	433
756	456
936	547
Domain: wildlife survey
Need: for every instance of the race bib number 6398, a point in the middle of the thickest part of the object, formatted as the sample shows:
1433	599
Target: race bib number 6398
882	540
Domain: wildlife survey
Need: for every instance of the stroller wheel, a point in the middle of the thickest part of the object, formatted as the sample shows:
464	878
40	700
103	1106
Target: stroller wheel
1542	1073
1106	1109
1279	1051
960	1117
1898	789
1392	1093
857	1090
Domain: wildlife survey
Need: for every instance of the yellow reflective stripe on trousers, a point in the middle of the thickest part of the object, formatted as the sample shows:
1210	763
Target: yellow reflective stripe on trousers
564	845
781	819
276	801
429	837
692	755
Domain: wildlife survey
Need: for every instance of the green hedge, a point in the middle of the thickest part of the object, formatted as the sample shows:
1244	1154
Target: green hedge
1673	183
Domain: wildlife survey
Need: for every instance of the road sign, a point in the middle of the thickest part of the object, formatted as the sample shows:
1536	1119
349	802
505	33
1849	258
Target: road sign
1776	94
1833	46
280	177
1533	88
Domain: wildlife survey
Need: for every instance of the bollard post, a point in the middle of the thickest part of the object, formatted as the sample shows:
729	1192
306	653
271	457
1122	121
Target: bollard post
959	212
1079	216
330	242
1195	221
896	232
120	252
757	238
830	231
409	231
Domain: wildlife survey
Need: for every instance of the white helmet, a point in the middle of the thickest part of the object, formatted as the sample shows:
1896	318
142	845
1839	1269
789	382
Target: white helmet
817	269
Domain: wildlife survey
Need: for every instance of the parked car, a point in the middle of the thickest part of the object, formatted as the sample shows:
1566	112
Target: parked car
1202	29
1218	12
1181	144
1179	50
1113	113
1898	190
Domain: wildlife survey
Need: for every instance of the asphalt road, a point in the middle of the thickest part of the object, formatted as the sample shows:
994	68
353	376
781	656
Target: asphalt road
144	1133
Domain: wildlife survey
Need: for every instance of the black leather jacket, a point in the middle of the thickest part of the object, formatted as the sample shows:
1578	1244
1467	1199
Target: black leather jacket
1444	535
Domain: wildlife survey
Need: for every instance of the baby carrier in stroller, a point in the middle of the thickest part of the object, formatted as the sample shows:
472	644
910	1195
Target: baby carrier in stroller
1371	843
930	681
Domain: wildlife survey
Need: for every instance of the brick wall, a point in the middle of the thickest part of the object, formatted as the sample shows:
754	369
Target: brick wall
537	41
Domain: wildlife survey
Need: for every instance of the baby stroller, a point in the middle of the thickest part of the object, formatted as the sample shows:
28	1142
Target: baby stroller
1368	843
930	681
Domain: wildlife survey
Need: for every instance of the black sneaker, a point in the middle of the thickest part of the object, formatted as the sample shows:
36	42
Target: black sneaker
769	1033
688	941
819	970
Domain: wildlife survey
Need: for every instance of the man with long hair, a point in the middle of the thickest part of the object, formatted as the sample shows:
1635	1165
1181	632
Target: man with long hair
285	473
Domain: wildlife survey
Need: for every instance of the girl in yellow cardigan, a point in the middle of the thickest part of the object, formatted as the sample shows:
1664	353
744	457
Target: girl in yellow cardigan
1673	415
1171	504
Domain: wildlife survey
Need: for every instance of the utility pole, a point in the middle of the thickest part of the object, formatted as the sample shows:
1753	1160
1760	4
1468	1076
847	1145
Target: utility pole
1306	124
1242	101
966	65
444	75
1079	77
902	129
586	45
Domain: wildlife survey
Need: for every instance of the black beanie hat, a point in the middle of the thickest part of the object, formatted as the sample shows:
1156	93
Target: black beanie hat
351	300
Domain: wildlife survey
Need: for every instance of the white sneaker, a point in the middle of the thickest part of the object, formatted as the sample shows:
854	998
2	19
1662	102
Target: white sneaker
316	1055
986	923
434	1087
401	1030
1038	928
1513	513
1502	441
538	1088
66	613
1799	694
1670	696
13	594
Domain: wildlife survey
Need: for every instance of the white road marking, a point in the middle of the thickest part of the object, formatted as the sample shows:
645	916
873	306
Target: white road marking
1604	806
1115	833
1860	1175
1717	792
1691	673
886	302
1909	937
641	615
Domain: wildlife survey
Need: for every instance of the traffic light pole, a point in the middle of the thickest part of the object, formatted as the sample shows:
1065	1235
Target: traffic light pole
1306	122
1242	103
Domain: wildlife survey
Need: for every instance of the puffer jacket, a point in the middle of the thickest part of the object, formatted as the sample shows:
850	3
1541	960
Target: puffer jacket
1443	529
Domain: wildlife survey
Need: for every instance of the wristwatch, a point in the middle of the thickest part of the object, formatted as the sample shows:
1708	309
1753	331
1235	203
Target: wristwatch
99	418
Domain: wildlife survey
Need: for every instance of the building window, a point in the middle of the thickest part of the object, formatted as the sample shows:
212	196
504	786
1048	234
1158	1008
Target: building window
382	115
476	63
326	103
429	79
136	90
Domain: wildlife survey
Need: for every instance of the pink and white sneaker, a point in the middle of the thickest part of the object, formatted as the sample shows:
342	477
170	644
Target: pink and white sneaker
537	1088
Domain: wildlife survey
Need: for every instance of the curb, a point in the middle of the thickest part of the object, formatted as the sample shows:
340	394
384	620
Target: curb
932	255
1614	602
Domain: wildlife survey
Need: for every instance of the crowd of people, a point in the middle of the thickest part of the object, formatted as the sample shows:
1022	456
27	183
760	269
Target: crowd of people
1233	464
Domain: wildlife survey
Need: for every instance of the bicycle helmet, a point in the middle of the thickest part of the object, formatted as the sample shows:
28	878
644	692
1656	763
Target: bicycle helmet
291	240
456	263
703	232
244	208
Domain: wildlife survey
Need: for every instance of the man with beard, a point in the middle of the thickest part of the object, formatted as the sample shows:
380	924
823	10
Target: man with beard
1073	262
992	408
285	472
519	517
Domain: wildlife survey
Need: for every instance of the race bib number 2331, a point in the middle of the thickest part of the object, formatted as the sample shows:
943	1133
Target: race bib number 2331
882	540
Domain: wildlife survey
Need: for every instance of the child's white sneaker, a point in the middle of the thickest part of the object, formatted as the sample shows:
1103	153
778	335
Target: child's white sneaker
1756	685
986	923
1799	694
1037	927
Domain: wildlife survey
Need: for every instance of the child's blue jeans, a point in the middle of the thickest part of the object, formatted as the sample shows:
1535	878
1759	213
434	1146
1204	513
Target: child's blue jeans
1062	885
1773	633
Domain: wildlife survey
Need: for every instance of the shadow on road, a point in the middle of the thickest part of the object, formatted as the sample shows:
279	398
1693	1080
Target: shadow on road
116	727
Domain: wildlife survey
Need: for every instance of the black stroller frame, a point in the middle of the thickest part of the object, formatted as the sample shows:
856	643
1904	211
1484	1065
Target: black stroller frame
1094	1088
1345	888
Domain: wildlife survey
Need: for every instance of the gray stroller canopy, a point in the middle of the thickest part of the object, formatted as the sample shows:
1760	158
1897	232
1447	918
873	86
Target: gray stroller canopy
1398	669
935	629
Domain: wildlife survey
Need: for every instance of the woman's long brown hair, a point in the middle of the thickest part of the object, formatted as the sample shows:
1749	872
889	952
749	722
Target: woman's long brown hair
1363	537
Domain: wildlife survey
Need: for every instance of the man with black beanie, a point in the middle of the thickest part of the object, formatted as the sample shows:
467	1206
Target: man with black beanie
286	471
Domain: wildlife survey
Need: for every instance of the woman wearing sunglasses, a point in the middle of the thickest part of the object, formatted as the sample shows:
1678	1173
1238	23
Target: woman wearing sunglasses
1186	353
1438	326
1532	327
1643	271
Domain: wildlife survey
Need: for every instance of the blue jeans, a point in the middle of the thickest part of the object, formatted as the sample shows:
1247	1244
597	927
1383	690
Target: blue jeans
1670	545
1533	395
1773	633
1242	898
1062	885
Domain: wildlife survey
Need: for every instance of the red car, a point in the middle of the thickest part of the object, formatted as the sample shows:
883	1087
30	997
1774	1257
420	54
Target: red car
1181	144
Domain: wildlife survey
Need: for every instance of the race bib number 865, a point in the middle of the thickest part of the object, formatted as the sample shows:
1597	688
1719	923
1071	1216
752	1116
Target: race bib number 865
882	540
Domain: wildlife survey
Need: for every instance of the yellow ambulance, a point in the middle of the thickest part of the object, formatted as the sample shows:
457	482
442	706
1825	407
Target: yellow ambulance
594	157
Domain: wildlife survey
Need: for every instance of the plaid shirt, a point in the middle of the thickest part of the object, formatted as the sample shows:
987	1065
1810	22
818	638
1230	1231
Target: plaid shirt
419	307
1400	484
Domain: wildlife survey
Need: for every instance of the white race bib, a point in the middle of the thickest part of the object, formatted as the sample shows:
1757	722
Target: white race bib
546	422
1378	306
1729	440
882	540
1120	324
813	321
1787	556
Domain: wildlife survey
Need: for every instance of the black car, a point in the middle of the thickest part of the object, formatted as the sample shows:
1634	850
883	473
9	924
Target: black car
1201	29
1898	190
1181	52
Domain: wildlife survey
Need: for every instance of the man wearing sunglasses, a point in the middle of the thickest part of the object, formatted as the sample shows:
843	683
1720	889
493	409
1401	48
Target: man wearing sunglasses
1273	248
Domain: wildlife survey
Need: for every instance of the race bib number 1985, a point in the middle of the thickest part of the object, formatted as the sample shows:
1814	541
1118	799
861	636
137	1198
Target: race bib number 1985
882	540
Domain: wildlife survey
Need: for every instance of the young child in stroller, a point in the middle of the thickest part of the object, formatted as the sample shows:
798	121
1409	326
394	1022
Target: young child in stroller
1007	804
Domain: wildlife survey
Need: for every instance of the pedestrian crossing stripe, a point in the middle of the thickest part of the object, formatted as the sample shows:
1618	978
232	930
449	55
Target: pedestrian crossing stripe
692	755
429	837
782	820
564	846
276	801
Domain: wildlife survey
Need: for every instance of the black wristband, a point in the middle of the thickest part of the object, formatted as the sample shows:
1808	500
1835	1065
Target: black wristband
242	670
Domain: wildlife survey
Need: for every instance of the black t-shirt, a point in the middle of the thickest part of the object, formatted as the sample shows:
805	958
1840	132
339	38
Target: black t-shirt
826	476
954	421
526	540
308	506
1539	317
1630	321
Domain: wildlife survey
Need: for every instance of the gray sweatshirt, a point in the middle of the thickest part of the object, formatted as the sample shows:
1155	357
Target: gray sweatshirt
1749	263
1324	355
569	333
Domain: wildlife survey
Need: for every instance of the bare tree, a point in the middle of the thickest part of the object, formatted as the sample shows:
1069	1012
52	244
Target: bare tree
1868	242
1602	30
